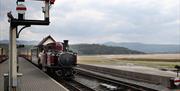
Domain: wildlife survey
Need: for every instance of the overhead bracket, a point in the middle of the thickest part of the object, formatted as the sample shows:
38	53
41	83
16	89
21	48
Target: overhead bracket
18	32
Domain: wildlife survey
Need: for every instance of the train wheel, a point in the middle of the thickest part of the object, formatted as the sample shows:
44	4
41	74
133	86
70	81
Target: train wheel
44	69
49	70
40	66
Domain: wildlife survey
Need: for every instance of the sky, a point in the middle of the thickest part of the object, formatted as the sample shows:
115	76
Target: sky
100	21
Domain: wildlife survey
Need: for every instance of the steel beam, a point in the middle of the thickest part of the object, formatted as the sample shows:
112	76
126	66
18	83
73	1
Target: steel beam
17	22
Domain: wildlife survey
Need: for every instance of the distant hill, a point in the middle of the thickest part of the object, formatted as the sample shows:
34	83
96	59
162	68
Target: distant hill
4	46
148	48
93	49
28	44
20	42
113	47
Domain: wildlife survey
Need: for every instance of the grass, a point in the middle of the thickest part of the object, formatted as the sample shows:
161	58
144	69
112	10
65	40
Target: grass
160	62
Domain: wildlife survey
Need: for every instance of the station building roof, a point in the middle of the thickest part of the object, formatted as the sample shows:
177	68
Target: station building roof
46	40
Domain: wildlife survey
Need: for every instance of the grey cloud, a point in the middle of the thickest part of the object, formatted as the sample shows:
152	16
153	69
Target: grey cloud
148	21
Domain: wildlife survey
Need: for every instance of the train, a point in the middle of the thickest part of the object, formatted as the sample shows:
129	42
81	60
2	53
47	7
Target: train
55	58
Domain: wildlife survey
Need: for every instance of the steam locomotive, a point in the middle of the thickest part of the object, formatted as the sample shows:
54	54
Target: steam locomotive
55	58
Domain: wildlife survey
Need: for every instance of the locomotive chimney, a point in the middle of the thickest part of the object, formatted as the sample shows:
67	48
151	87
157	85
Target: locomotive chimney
66	45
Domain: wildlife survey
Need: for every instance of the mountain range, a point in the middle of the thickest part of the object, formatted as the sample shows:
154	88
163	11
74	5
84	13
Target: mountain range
148	48
140	47
94	49
21	42
82	49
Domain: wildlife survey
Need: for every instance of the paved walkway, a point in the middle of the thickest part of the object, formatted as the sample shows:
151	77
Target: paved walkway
33	79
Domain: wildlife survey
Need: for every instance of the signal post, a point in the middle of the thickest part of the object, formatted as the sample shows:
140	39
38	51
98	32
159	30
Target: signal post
13	75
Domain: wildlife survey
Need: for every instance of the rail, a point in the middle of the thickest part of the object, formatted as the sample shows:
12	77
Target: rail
73	85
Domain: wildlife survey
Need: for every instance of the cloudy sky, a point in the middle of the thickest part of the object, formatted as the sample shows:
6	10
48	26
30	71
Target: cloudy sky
99	21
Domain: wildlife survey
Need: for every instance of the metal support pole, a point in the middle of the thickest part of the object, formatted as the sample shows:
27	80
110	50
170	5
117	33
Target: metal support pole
27	53
1	49
12	59
177	72
0	54
46	14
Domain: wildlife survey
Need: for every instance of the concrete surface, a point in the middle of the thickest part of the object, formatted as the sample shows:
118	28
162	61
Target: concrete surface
141	74
33	79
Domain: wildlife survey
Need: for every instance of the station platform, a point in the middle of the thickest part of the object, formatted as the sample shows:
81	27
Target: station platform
141	69
162	79
33	79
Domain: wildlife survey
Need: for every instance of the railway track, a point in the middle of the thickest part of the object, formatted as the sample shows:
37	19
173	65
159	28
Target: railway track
73	85
122	86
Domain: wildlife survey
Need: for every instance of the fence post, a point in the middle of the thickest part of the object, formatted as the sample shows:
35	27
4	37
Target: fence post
6	82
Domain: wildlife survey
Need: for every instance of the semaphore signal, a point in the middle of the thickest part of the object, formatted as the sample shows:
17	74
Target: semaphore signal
21	11
13	75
